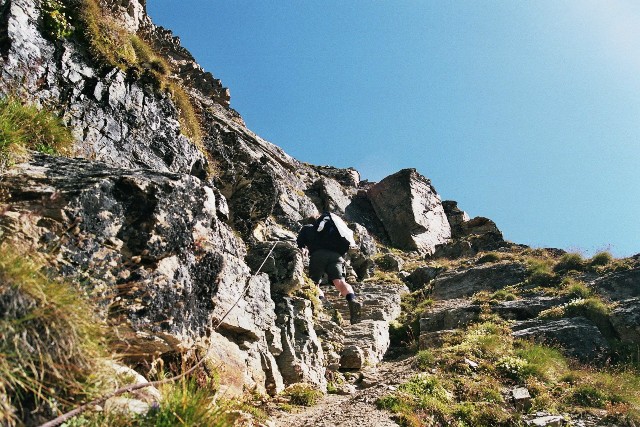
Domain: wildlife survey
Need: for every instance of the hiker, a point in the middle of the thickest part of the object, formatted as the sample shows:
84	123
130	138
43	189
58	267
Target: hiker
327	241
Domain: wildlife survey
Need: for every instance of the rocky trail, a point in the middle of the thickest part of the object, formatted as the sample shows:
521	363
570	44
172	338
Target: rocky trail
368	373
357	409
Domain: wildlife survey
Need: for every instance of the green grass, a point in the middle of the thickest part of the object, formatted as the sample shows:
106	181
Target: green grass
569	262
303	394
184	403
26	127
56	20
50	341
453	393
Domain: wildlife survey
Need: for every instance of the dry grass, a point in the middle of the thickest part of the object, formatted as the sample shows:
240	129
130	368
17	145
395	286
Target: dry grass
50	341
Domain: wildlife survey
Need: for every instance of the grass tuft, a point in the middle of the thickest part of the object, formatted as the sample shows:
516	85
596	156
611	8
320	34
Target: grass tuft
27	127
302	394
50	342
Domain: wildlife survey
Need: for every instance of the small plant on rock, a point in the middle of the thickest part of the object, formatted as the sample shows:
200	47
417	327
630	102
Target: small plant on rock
56	20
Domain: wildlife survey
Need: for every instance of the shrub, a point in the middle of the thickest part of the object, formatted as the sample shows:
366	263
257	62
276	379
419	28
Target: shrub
575	289
26	127
186	403
601	259
503	295
547	364
568	262
424	385
482	414
303	394
489	257
588	395
425	360
50	342
513	367
540	272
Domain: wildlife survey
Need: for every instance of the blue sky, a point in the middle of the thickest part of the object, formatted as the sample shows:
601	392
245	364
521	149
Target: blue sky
524	112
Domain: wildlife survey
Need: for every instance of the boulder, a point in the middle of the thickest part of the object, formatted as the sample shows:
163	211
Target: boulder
328	195
577	337
150	248
411	211
365	344
625	319
464	283
390	262
450	316
421	276
456	218
284	265
528	308
619	285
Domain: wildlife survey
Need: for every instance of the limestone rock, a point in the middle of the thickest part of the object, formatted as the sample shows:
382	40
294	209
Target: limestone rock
284	266
421	276
411	211
365	344
469	236
149	246
524	309
457	284
390	262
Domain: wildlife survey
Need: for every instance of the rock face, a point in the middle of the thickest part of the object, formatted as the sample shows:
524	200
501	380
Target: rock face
577	336
411	211
484	278
151	246
468	236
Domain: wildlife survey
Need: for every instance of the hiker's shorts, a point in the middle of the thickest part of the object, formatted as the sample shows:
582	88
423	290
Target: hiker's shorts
324	261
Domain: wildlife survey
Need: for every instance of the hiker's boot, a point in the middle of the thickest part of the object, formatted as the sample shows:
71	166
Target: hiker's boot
355	309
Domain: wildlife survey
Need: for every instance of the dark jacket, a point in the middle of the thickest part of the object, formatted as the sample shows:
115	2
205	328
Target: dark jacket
308	237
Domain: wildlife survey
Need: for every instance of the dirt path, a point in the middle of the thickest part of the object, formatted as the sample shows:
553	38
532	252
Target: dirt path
355	410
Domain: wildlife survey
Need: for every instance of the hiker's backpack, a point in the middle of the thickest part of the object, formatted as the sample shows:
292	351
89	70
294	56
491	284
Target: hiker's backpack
328	236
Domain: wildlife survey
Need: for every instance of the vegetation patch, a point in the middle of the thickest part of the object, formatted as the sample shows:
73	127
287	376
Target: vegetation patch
569	262
27	127
302	394
56	20
470	371
50	343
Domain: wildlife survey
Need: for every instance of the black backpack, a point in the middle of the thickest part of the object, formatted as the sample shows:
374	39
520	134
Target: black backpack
329	237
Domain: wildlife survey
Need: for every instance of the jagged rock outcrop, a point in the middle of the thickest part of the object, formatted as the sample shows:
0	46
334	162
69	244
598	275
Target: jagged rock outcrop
116	119
411	211
167	234
468	236
150	245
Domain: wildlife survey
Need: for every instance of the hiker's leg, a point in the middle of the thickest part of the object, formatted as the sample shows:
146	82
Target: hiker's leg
343	287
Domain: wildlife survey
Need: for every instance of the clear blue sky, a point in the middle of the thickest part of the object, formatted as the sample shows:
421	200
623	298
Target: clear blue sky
524	112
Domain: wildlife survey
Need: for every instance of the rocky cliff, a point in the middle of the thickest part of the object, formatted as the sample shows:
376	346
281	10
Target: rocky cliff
166	225
166	229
